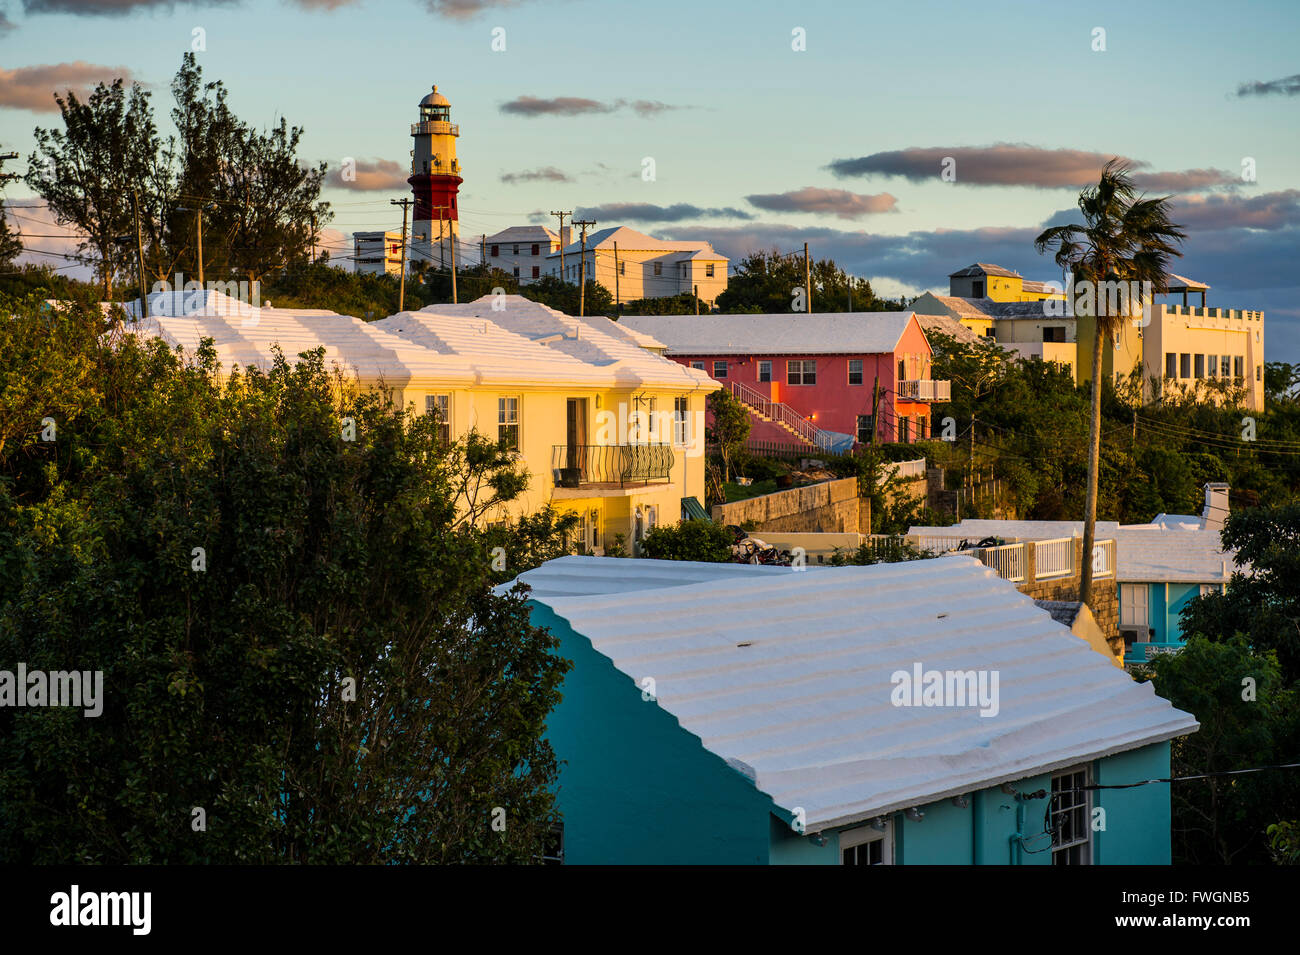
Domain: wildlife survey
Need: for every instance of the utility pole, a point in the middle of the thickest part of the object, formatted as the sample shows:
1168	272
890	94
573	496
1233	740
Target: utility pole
139	250
452	237
313	241
562	215
401	287
850	293
807	281
875	408
442	262
618	302
482	252
582	266
697	300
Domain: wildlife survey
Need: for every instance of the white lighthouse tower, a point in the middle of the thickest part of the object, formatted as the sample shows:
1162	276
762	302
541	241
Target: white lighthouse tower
435	181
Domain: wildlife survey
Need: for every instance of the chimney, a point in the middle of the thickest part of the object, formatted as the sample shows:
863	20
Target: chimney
564	237
1216	506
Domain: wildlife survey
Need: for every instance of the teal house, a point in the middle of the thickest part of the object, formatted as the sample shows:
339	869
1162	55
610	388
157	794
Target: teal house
924	712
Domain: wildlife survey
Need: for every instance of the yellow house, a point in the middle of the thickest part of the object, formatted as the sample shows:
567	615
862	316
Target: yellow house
606	427
997	284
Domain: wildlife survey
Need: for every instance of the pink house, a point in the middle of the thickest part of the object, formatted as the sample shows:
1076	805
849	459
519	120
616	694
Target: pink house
827	379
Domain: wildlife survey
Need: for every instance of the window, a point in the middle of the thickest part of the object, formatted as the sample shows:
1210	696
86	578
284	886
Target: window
659	268
1212	366
536	248
855	371
1134	612
902	369
1225	366
681	421
1053	333
514	250
719	369
440	406
1259	372
553	850
496	250
1198	362
698	364
508	422
922	427
536	271
708	270
1184	365
977	289
867	845
1071	818
1171	365
904	431
1238	367
864	428
764	371
622	268
1211	589
989	333
516	271
802	372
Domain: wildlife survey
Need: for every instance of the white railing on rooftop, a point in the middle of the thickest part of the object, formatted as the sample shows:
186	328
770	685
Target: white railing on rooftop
1103	559
783	414
1008	560
1054	558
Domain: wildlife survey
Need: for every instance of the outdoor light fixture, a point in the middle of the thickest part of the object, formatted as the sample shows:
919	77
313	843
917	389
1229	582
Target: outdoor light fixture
1009	789
878	824
914	814
817	839
961	802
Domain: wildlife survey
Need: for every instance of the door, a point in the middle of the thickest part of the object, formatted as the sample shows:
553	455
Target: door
576	433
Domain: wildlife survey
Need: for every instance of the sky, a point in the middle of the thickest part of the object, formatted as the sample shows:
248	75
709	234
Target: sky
766	125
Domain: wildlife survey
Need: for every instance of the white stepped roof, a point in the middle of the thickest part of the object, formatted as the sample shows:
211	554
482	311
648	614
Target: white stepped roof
806	703
792	333
466	345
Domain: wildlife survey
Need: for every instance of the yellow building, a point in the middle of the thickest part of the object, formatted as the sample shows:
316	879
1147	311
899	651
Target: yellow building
606	427
997	284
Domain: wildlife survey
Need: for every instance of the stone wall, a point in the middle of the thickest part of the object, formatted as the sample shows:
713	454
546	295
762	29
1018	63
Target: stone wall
828	507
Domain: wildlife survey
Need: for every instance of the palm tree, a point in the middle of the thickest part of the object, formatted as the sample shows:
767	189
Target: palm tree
1125	237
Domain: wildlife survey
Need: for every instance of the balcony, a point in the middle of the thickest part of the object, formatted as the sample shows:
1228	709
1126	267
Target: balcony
924	389
611	466
435	127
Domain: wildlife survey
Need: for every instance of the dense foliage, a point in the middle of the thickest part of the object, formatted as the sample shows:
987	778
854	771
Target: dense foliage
303	656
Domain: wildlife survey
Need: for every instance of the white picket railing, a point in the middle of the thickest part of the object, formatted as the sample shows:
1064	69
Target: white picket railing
783	414
1054	558
910	470
1008	560
925	389
1103	559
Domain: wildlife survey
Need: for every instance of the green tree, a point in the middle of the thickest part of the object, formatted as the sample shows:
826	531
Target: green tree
1247	718
563	296
689	540
728	427
1127	238
298	632
88	172
10	245
766	282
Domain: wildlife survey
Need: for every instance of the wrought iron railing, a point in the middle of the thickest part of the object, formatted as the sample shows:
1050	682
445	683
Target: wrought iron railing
579	465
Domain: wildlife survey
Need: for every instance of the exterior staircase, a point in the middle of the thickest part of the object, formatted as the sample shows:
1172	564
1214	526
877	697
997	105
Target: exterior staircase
782	415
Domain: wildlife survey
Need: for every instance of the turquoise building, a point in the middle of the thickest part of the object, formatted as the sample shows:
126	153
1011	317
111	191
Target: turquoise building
912	713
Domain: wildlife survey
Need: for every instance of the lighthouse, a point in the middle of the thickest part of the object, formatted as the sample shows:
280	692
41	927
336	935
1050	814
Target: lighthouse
435	180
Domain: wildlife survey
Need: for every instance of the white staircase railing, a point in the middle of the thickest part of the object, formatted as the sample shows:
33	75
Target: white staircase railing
783	414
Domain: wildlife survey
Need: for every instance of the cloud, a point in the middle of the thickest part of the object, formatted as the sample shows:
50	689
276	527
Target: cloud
649	212
1019	164
838	202
33	87
1270	211
544	174
1286	86
580	106
466	9
6	24
370	176
45	241
326	5
91	8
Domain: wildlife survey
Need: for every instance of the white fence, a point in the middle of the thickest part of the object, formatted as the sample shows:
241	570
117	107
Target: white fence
1103	559
1054	558
910	470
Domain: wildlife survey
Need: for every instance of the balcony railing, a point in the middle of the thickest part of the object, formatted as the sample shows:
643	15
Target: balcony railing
925	389
435	127
1054	558
611	465
1103	559
783	414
